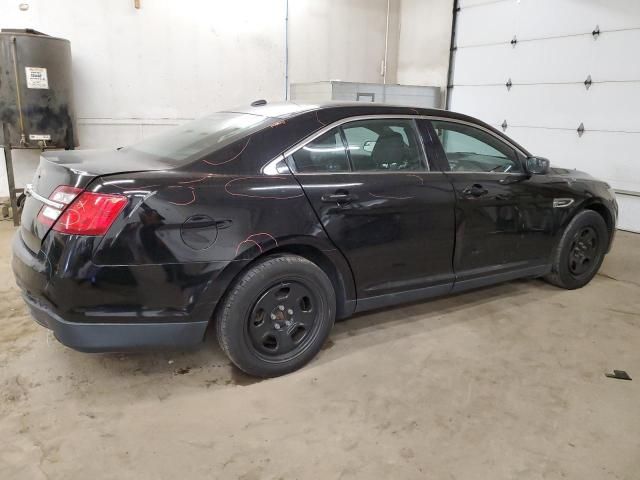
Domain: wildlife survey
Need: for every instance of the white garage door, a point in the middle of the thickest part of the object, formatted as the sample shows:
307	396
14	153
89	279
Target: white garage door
546	50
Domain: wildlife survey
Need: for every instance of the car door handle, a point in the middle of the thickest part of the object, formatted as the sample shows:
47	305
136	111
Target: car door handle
475	190
338	197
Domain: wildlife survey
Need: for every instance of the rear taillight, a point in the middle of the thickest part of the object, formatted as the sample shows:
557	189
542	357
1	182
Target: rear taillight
63	196
82	213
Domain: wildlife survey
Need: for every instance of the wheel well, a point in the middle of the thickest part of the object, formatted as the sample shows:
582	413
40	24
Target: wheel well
321	260
605	214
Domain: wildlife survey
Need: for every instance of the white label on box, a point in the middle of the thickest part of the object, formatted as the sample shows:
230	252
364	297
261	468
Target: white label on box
36	77
39	137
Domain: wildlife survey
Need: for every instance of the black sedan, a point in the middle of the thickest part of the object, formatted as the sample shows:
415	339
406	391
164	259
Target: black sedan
270	222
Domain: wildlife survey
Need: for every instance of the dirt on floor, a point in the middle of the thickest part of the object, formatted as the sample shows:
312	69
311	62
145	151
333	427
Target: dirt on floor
501	383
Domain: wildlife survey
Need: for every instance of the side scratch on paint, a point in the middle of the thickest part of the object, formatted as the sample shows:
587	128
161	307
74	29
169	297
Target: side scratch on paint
390	197
189	202
250	239
198	180
230	159
263	197
264	233
418	177
129	187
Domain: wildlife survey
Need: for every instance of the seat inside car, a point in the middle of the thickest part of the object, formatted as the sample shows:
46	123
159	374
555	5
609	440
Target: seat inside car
389	148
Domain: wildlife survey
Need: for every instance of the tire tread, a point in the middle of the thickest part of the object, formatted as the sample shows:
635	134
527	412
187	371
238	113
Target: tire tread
224	316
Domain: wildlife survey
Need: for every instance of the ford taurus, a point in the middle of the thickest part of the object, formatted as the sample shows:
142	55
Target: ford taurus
270	222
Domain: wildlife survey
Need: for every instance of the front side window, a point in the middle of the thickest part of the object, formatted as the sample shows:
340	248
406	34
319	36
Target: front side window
325	154
469	149
383	145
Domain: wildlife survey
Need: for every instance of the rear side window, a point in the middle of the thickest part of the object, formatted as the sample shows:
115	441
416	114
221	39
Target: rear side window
178	146
384	145
325	154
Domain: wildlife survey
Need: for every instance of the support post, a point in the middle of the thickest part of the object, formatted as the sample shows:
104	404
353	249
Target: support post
452	55
8	161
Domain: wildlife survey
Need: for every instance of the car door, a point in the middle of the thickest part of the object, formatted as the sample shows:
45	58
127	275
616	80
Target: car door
504	221
392	218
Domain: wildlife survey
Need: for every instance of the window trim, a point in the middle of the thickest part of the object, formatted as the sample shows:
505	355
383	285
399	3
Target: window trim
345	145
286	155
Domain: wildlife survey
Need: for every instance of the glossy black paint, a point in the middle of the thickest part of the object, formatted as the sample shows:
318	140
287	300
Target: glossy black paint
189	231
396	230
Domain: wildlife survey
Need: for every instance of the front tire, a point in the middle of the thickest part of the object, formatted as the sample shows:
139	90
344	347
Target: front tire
276	317
580	251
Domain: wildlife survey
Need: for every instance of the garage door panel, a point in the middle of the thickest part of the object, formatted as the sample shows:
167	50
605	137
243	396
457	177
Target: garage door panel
610	52
481	22
551	18
488	23
610	106
569	59
572	59
557	60
483	65
489	104
545	18
609	156
559	146
629	213
607	106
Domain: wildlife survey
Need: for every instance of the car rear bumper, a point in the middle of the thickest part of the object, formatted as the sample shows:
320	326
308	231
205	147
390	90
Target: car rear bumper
89	314
117	337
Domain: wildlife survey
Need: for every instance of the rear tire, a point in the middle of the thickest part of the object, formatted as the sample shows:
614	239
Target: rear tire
580	252
276	317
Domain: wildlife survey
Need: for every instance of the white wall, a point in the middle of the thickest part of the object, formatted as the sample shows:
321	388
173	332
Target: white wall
425	36
554	55
337	40
137	72
136	69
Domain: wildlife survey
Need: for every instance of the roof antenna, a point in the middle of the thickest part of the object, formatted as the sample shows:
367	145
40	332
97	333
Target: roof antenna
259	103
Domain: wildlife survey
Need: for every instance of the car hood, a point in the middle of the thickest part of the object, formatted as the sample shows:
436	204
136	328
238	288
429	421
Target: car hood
570	173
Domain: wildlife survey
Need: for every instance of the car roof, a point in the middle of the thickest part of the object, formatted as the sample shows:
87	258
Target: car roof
290	109
287	110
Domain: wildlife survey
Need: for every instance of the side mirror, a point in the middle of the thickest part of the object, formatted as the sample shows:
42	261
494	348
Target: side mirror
369	145
537	165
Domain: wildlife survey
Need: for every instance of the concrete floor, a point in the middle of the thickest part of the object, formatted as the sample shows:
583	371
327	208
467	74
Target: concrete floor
502	383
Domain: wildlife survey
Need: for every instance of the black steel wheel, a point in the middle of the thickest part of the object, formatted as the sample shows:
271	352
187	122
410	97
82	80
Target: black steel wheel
580	251
283	321
277	316
583	251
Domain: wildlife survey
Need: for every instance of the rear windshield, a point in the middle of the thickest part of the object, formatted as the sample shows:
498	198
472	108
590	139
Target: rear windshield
200	137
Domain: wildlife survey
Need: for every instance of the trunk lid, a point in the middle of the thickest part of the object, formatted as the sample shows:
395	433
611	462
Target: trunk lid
76	168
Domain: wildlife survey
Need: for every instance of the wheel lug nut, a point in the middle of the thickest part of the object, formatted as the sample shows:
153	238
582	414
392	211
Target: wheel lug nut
281	307
290	312
277	326
273	316
287	323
